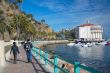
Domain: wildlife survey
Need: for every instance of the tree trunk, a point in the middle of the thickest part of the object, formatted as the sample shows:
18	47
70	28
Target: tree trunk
6	36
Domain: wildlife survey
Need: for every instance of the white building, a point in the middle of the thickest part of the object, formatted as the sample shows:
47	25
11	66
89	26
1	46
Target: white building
89	32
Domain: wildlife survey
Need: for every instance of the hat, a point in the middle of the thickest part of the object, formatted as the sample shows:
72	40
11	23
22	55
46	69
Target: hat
14	43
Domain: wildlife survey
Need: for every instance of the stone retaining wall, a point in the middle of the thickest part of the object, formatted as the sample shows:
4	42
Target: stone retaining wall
40	43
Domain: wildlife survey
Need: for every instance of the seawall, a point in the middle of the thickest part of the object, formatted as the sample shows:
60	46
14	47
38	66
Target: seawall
40	43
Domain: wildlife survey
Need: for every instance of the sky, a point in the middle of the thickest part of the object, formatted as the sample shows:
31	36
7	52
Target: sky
67	14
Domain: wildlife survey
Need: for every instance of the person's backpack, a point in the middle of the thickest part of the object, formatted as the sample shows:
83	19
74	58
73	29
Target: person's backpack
27	46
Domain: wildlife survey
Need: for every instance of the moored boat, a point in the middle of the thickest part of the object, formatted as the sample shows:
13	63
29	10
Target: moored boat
108	43
102	43
70	44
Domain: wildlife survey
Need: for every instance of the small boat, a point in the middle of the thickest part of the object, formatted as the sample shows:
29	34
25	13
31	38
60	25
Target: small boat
87	45
102	43
108	43
70	44
84	45
78	44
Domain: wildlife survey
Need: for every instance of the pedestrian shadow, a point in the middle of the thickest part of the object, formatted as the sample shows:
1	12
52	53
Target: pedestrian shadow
22	61
11	61
36	70
34	62
40	65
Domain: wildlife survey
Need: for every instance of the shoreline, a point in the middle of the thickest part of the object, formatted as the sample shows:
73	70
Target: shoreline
61	62
42	43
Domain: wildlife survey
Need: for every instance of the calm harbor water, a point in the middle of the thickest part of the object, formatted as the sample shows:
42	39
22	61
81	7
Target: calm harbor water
97	57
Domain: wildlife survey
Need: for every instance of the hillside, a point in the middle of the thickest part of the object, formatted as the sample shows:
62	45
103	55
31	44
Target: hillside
19	25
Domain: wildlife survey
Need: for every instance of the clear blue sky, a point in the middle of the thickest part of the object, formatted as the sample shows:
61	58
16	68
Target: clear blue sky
61	14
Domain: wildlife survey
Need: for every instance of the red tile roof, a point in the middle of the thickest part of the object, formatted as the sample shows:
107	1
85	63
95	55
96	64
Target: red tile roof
83	25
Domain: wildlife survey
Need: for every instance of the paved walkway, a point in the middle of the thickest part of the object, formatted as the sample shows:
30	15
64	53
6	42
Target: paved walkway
22	66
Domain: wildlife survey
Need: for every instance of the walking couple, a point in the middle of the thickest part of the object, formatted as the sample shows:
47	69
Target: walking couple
27	46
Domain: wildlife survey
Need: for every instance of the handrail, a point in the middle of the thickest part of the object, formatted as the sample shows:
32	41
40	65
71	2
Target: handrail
53	63
89	69
82	67
76	66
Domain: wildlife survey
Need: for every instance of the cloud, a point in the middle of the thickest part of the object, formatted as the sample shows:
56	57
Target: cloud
54	5
69	13
101	19
74	6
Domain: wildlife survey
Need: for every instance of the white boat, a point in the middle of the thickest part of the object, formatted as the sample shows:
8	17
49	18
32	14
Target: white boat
80	44
70	44
86	45
102	43
89	44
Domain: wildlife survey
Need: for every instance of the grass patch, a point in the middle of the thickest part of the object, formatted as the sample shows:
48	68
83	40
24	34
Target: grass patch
7	48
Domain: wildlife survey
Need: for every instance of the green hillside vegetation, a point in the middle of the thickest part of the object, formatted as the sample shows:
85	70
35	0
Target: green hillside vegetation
17	25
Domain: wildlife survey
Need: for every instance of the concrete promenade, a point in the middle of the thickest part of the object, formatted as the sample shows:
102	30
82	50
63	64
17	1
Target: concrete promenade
22	66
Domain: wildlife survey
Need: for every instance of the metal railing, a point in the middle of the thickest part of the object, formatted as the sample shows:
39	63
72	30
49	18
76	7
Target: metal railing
77	66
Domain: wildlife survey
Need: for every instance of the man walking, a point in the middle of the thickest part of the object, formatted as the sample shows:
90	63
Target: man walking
28	46
15	50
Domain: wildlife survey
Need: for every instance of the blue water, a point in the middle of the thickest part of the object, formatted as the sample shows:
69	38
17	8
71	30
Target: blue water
97	57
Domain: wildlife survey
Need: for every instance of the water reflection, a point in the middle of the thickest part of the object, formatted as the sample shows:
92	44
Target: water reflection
95	52
97	56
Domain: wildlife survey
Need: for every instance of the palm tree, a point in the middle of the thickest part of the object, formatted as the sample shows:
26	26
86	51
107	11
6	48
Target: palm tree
25	26
1	12
29	15
2	25
4	28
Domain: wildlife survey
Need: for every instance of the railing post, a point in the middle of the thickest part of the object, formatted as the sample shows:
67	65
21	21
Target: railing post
33	51
46	56
40	53
36	52
76	68
55	64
